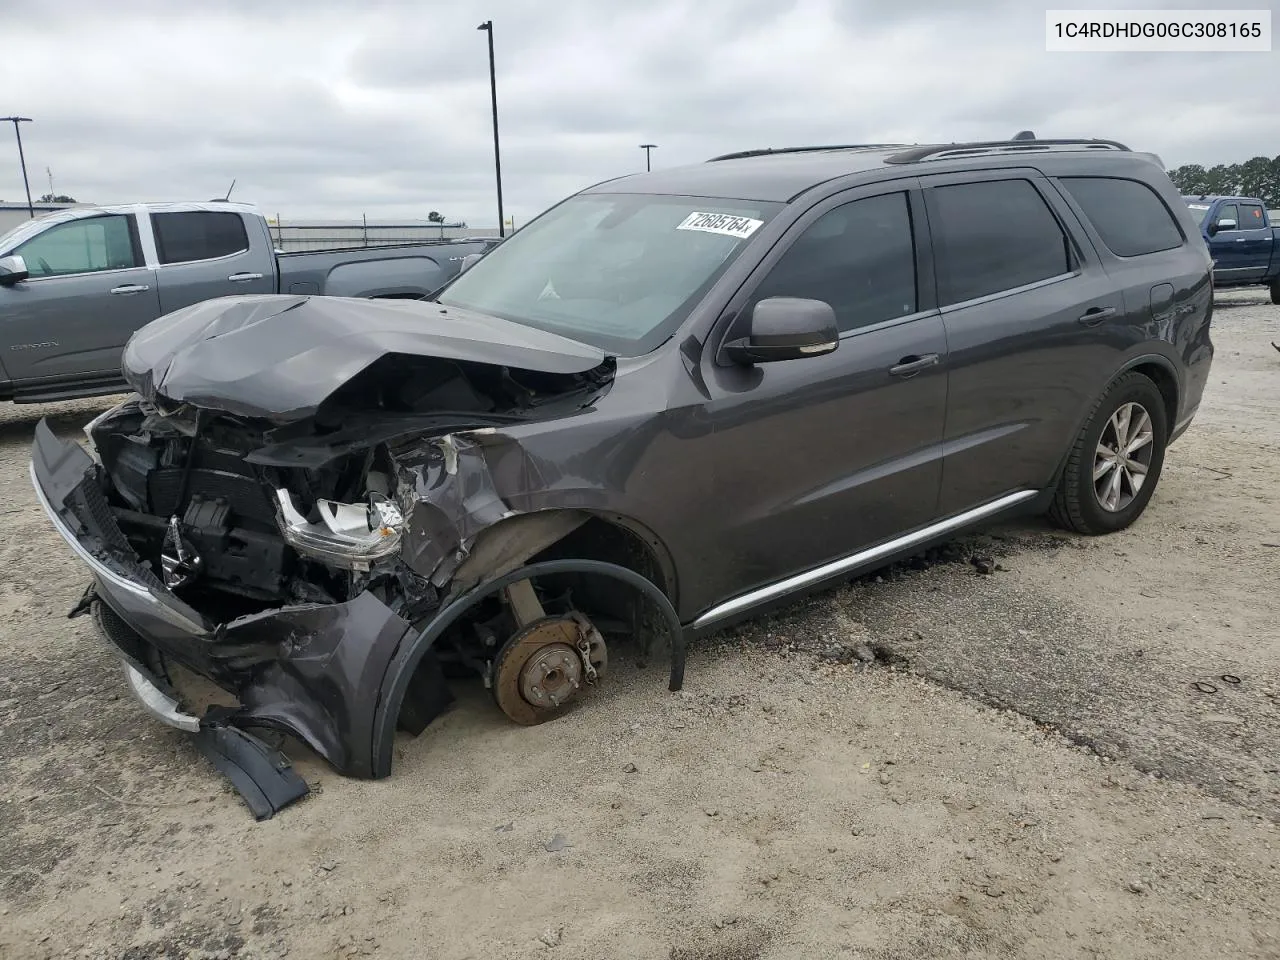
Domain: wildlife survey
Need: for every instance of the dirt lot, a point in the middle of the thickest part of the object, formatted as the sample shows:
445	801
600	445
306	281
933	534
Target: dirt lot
1024	771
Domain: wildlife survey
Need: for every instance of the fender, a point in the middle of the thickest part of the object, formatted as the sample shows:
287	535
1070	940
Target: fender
401	669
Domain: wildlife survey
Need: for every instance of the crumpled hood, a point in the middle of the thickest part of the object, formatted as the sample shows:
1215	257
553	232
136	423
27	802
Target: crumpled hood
279	357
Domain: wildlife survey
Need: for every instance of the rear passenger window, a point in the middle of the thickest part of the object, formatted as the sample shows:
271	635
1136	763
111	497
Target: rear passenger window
993	236
860	258
1251	216
1128	215
198	235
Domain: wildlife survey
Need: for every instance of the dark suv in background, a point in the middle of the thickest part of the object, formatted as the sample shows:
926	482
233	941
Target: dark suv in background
675	397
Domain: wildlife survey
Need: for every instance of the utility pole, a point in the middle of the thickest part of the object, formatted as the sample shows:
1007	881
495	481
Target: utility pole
487	27
646	147
22	159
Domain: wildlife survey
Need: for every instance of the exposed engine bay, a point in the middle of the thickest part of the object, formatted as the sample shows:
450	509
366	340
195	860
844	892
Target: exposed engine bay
240	515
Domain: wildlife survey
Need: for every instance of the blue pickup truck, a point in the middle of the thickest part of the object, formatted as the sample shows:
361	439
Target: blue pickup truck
1244	244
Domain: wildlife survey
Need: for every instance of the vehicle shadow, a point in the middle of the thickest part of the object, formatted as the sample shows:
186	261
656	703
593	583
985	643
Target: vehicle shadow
18	421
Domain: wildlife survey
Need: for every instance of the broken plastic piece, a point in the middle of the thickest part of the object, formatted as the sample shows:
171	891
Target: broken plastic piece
263	776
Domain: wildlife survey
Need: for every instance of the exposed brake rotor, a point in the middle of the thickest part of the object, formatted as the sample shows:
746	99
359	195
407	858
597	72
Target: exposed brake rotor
545	665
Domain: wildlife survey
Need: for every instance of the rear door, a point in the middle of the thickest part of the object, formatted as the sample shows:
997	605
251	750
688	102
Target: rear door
1029	317
816	458
89	289
205	254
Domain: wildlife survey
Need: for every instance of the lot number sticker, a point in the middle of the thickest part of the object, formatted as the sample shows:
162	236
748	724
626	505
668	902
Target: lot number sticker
721	223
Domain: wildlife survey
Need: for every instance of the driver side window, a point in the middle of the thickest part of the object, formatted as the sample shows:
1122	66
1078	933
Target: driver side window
81	246
859	258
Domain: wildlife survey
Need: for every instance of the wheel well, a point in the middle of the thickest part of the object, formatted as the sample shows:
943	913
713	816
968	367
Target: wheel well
1167	384
607	540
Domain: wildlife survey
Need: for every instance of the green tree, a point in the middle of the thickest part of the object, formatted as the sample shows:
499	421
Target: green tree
1259	177
57	198
1191	179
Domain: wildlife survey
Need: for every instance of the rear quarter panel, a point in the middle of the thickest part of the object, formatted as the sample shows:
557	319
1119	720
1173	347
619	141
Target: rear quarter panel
1168	295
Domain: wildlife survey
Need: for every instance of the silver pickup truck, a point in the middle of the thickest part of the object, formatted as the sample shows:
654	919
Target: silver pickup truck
76	284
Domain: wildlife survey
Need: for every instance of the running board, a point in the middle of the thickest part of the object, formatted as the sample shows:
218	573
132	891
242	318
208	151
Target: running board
863	558
69	390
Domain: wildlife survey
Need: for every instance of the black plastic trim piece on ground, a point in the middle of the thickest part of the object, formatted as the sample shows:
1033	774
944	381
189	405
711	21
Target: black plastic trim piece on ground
264	776
406	660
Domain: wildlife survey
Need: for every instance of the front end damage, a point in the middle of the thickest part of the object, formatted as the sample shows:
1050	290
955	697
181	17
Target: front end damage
334	570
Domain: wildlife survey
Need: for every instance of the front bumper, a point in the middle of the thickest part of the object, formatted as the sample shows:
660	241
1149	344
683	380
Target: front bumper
315	671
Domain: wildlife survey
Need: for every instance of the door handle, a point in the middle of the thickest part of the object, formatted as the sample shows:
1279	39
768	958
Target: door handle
1241	239
242	277
911	365
1095	316
129	288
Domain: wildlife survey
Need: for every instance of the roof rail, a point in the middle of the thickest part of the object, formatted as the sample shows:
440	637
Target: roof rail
765	151
943	151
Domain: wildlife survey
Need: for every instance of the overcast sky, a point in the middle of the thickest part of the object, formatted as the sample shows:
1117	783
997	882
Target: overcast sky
338	107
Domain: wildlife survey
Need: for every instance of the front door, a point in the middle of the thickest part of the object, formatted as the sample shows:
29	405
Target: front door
819	457
88	291
1240	250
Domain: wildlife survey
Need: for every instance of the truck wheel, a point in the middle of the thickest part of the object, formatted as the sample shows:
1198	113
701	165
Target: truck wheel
1275	290
1115	462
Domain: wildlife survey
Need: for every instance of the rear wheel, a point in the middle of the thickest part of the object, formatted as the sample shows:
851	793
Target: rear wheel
1275	290
1115	462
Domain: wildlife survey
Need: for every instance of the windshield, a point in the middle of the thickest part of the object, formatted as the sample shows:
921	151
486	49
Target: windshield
617	271
1200	211
29	228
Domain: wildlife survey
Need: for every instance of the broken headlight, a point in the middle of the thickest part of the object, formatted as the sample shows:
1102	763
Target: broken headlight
347	535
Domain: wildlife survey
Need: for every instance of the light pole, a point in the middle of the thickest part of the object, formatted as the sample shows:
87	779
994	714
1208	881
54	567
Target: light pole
646	147
487	27
22	159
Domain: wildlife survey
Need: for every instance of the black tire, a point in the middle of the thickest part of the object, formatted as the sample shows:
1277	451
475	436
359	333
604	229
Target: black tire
1076	504
1275	290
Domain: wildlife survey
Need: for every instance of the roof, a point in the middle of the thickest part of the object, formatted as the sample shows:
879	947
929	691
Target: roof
20	233
1213	197
780	175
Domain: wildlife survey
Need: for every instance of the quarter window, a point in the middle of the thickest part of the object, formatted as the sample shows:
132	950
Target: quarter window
1128	215
859	257
198	235
81	246
993	236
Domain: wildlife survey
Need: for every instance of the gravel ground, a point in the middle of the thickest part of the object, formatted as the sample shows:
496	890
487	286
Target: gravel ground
1023	770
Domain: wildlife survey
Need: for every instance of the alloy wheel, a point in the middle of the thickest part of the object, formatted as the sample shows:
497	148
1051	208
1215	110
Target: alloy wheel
1123	457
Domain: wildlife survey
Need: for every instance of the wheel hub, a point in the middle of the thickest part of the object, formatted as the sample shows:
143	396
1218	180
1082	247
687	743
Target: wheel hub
545	666
551	676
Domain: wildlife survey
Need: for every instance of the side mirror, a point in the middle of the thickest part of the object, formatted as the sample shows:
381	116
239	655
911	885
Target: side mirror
12	270
786	328
1223	225
469	261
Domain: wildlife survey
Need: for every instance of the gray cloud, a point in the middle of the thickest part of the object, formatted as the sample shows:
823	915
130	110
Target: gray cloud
339	107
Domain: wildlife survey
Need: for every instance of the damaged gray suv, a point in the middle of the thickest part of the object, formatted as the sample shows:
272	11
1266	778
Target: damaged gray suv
671	401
